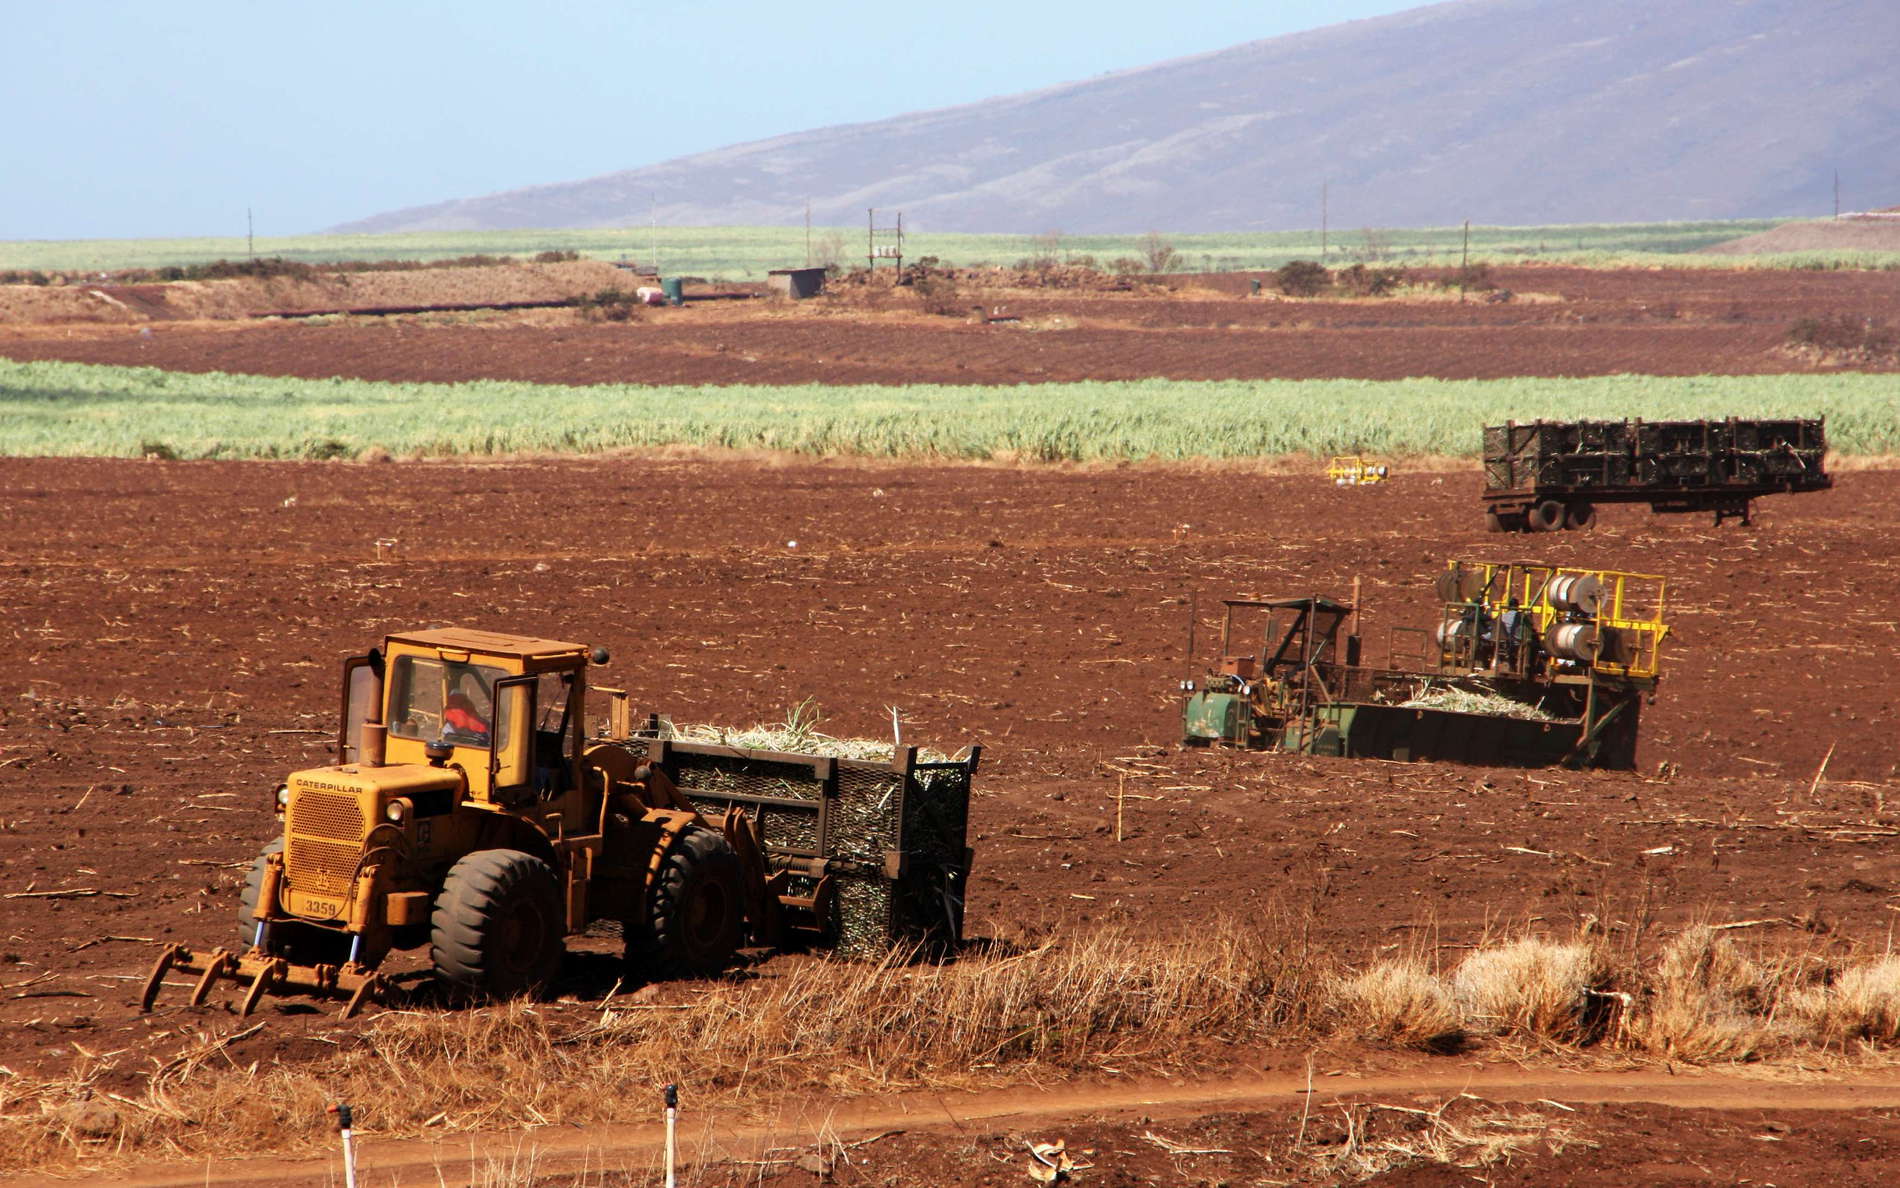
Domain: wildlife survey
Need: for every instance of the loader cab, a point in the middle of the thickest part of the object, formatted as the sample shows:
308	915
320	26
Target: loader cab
504	709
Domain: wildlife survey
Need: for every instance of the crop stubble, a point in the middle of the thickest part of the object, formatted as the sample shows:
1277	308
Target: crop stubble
176	627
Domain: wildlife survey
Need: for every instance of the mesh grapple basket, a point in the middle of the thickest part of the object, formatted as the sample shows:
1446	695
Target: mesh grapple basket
891	836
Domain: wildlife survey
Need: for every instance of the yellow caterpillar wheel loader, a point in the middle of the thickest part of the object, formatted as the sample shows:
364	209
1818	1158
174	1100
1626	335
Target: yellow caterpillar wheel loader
470	813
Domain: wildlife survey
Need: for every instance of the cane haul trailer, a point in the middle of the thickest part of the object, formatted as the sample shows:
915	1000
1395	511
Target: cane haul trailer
1550	475
470	813
1526	665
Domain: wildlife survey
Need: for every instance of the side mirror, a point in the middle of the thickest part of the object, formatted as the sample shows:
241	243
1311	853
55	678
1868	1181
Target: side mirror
598	655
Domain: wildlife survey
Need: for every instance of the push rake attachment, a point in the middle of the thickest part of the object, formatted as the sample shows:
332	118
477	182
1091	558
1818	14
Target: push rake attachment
260	974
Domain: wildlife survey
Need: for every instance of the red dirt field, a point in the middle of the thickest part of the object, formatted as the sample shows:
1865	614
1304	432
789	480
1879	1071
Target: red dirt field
1562	321
174	632
175	629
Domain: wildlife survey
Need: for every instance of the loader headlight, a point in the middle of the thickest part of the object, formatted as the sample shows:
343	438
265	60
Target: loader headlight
283	798
396	812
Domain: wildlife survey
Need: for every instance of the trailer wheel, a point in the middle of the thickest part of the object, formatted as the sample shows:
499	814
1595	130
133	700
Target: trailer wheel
1497	521
694	914
496	931
254	887
1580	515
1547	516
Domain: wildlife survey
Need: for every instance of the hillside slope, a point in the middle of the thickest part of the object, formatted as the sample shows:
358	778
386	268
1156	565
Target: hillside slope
1860	233
1500	111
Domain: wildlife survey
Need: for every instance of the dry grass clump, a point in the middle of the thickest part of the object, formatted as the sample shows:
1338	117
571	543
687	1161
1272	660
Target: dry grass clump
833	1027
1400	1002
1068	1008
1707	1001
1862	1005
1532	987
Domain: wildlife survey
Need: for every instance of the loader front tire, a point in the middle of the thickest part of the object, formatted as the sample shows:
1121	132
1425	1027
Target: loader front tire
254	887
496	932
694	912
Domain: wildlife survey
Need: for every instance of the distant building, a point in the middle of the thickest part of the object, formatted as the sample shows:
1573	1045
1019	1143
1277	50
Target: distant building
796	283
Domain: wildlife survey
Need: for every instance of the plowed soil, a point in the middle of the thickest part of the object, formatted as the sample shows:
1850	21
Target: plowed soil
174	630
1559	321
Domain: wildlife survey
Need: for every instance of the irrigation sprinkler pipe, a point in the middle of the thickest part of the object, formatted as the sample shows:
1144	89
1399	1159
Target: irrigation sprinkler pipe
672	1116
343	1128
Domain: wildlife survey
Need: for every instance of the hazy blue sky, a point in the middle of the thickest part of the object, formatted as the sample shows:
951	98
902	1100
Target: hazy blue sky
135	119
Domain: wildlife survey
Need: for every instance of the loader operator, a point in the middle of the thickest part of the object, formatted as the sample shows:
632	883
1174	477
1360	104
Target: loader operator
459	712
1512	629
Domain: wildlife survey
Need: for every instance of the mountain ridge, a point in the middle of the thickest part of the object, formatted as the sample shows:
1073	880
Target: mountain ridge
1502	111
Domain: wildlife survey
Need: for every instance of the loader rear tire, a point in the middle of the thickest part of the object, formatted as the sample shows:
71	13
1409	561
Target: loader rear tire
254	887
694	913
496	932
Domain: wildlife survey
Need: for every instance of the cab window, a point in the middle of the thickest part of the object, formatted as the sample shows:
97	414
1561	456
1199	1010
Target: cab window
362	693
449	700
553	741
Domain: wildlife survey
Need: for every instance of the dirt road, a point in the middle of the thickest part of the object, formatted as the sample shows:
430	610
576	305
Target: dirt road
934	1128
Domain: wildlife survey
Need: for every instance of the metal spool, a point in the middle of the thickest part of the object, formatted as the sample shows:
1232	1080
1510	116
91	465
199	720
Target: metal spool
1459	585
1452	634
1581	593
1572	641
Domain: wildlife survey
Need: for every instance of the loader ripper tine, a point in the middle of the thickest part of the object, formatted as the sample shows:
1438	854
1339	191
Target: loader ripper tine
371	984
215	966
268	975
173	954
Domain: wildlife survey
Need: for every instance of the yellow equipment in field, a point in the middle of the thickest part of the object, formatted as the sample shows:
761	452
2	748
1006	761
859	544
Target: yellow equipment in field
1526	664
1549	621
469	812
1353	470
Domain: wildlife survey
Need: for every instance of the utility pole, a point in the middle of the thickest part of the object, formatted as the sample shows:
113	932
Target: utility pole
1464	264
808	233
250	226
1323	196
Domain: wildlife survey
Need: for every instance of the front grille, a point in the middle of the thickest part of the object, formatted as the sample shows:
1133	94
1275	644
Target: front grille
320	867
324	814
324	841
